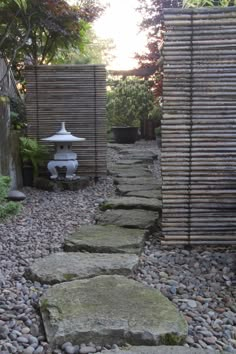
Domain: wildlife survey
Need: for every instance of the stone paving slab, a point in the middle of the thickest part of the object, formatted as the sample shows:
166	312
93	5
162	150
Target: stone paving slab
137	219
161	350
123	189
138	152
108	310
129	162
105	239
145	194
136	180
63	267
132	203
129	173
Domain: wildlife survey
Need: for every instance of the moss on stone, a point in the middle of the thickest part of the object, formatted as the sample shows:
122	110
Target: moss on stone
171	339
69	276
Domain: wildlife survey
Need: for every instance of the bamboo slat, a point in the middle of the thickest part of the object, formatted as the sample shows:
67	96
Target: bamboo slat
75	94
199	126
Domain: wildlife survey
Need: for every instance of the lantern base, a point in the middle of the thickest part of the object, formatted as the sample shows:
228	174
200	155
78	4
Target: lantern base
70	165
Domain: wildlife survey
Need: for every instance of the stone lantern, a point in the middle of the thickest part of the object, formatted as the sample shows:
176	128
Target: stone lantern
64	156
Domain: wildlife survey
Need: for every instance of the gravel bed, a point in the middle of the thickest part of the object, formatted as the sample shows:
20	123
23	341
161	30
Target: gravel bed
46	218
199	282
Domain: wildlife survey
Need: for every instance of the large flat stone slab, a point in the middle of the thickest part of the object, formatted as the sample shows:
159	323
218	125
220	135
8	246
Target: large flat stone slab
132	203
162	349
105	239
137	219
129	162
136	153
63	267
145	194
108	310
130	172
136	180
123	189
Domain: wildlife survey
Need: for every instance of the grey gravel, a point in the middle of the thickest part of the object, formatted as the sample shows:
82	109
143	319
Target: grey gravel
45	219
203	275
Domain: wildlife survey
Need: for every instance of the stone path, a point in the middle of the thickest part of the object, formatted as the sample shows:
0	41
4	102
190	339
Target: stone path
111	309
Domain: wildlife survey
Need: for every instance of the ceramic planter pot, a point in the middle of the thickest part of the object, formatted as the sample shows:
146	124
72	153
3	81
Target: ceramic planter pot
125	135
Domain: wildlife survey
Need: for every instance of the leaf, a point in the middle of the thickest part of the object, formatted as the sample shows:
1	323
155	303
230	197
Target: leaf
22	4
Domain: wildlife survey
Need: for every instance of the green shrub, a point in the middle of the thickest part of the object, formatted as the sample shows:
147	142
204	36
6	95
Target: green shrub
128	102
32	152
6	207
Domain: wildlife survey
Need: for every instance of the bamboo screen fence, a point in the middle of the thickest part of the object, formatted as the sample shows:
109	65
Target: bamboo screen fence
199	126
75	94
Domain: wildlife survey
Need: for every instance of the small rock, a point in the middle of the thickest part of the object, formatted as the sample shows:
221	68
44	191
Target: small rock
210	340
87	350
69	349
4	331
39	350
29	350
16	196
192	303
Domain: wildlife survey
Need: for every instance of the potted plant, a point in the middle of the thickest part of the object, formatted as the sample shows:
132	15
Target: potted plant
128	101
33	155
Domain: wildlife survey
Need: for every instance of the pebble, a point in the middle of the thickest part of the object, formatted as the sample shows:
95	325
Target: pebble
87	350
29	350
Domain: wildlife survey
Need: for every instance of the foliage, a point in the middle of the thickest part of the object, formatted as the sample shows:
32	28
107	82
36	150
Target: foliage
210	3
152	25
158	131
32	31
6	207
33	152
128	102
96	51
155	113
18	113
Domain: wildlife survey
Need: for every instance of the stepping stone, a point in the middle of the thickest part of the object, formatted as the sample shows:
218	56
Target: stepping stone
136	180
123	189
105	239
144	158
138	152
129	162
137	219
132	203
107	310
145	194
63	267
163	349
130	174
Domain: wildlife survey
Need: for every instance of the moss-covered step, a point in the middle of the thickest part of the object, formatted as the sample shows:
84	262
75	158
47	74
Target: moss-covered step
145	194
105	239
110	310
132	203
63	267
123	189
135	219
137	180
162	349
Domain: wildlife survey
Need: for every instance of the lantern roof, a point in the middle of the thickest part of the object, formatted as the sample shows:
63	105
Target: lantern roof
63	136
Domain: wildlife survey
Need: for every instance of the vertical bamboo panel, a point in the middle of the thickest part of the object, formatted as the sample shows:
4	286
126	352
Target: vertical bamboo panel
199	126
75	94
